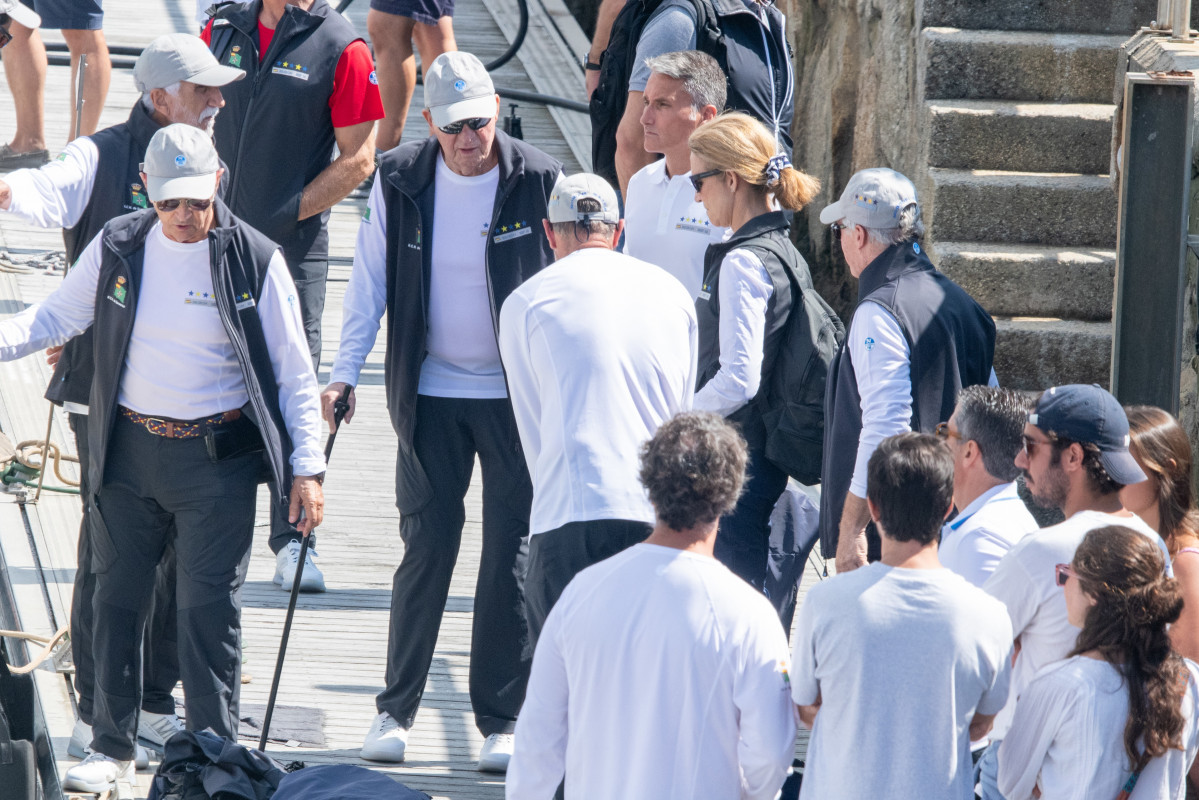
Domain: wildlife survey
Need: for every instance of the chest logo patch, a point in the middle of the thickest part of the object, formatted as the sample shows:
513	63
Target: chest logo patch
235	56
291	70
137	195
513	231
119	291
244	301
869	343
199	299
694	225
374	79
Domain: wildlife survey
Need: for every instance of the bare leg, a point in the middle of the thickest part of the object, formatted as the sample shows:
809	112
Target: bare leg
433	40
395	64
95	79
25	70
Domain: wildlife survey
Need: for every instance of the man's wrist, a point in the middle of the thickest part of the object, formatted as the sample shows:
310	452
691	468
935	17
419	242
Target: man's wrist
318	477
592	63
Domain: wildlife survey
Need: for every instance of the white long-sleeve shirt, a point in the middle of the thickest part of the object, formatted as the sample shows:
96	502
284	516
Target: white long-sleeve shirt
56	194
659	674
599	349
882	364
186	370
366	293
745	289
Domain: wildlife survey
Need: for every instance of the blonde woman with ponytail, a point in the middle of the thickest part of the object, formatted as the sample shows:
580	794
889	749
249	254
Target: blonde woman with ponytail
743	181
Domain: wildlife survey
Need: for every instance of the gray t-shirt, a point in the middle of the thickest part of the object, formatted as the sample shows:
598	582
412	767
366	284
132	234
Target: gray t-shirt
901	660
669	29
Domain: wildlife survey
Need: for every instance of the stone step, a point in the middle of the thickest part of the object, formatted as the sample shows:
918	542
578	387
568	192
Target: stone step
1064	16
1022	137
1024	280
1061	210
1019	65
1035	353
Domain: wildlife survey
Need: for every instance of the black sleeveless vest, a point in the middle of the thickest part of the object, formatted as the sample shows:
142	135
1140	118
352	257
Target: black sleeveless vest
768	227
951	340
276	132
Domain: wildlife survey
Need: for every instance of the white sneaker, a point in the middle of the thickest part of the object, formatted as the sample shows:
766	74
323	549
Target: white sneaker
496	752
156	729
286	561
385	741
97	774
80	746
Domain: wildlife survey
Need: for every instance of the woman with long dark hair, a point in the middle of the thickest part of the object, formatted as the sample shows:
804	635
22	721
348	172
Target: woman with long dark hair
1116	719
1166	502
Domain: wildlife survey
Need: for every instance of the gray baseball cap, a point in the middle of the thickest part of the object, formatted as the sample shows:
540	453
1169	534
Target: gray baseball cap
873	198
568	191
180	57
181	162
458	87
20	13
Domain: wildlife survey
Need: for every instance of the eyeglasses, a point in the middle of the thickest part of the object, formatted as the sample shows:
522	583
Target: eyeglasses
1064	572
697	181
167	206
1031	444
943	432
474	123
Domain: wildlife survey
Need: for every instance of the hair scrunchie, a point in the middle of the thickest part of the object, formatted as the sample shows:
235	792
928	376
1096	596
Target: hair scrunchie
774	168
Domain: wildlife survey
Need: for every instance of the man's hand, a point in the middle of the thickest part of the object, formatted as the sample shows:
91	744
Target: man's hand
329	397
54	354
851	540
306	492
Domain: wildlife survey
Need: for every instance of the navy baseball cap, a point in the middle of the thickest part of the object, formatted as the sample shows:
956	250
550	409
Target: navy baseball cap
1083	413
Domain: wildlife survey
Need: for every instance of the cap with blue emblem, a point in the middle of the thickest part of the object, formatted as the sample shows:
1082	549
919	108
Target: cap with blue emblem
873	198
181	163
457	87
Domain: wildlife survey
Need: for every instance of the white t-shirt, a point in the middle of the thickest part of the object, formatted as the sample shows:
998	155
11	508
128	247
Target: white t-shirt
665	226
1025	581
983	532
463	357
659	675
600	350
1068	738
901	660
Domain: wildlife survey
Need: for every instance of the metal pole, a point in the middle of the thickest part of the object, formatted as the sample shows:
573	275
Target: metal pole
79	95
1180	21
1162	20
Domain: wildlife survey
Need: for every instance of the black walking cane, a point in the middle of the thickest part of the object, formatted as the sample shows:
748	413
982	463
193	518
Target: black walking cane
340	406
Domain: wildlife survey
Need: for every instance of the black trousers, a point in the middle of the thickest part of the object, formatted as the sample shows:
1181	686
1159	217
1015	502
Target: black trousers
743	542
556	556
155	489
449	433
160	668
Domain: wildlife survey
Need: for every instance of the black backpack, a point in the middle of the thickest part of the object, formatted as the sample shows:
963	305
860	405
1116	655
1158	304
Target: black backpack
735	39
792	400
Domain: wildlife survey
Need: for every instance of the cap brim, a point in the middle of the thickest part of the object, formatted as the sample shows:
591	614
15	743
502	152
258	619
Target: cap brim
187	187
24	15
464	109
216	75
832	213
1122	467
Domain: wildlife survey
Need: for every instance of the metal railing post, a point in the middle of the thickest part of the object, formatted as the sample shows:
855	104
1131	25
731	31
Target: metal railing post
1180	21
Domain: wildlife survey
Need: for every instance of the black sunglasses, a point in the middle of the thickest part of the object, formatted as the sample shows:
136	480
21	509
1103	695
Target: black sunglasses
474	123
167	206
698	180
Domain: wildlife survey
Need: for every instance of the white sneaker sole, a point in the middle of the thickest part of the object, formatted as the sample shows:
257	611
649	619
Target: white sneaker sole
494	764
382	756
307	584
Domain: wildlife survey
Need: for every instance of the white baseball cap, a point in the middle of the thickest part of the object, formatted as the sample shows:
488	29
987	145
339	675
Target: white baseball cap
873	198
458	87
568	191
177	57
20	13
181	163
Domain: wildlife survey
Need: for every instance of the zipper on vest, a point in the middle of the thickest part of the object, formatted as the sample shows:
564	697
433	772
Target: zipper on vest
495	218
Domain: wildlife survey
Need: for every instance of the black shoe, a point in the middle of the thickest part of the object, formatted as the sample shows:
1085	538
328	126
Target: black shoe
11	159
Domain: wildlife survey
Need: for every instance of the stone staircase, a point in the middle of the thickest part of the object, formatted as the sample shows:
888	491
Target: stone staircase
1018	110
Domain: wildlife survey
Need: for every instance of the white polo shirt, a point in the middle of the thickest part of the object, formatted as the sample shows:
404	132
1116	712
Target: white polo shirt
984	531
665	226
600	349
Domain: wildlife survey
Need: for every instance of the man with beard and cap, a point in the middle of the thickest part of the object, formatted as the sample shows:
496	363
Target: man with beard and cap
1075	458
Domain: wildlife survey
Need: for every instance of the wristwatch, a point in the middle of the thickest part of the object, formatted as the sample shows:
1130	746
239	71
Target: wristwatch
588	63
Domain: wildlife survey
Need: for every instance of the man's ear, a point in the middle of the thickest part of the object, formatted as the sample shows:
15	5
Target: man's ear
708	113
873	510
424	112
970	451
549	234
619	232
